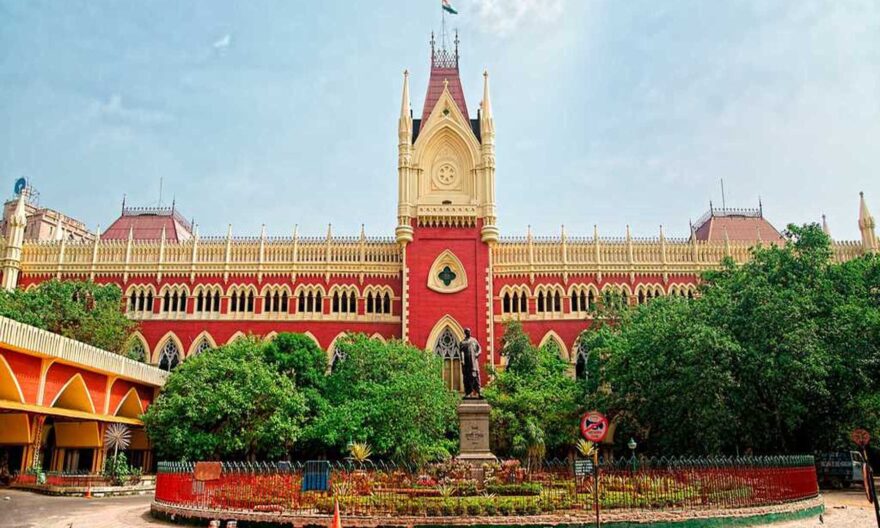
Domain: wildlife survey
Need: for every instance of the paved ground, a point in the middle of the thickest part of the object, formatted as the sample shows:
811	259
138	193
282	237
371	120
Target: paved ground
25	509
22	509
843	509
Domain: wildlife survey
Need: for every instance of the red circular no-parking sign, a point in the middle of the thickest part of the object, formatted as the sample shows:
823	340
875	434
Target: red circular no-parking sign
594	426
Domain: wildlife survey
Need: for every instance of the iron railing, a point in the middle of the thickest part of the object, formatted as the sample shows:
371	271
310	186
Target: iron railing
507	488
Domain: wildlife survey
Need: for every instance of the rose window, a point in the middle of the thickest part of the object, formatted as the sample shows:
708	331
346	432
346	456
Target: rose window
445	175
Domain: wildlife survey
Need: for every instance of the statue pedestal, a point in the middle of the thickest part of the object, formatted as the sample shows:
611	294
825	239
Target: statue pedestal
473	419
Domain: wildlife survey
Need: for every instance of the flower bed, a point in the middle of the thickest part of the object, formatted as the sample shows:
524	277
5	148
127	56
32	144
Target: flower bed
506	489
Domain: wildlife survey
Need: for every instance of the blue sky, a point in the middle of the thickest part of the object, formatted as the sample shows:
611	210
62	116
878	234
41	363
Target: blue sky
284	113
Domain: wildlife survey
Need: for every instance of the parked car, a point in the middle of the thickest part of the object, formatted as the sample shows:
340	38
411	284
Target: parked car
839	469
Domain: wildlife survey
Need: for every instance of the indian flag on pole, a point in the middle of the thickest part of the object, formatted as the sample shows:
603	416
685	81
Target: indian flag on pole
448	7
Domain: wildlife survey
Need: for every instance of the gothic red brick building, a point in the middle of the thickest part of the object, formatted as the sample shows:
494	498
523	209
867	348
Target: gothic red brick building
446	268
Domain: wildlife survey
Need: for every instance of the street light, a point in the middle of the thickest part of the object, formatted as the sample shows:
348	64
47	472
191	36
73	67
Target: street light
632	447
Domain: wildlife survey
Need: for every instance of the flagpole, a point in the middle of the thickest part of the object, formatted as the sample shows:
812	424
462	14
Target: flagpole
443	27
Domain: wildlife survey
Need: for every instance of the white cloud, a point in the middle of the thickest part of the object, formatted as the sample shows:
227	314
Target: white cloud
115	111
505	16
223	42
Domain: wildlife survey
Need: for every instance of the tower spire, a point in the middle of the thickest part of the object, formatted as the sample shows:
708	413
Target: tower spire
404	103
866	226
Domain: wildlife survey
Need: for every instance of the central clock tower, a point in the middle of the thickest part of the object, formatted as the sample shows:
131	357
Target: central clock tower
446	210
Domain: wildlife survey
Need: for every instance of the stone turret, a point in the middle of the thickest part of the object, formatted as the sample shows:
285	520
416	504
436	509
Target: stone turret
867	226
489	231
404	231
14	242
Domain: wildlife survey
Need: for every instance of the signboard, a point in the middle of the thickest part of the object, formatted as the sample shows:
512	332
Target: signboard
583	468
594	426
207	471
860	437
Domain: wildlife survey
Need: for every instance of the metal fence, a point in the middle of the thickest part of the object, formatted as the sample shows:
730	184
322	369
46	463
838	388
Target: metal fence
75	479
505	488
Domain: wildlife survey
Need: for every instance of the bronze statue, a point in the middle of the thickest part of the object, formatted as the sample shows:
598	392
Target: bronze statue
470	365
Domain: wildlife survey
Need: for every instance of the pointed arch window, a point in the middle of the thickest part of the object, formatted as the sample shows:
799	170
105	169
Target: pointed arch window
344	302
136	350
514	302
169	358
204	344
376	302
447	347
276	302
580	367
207	301
310	301
549	301
140	301
174	301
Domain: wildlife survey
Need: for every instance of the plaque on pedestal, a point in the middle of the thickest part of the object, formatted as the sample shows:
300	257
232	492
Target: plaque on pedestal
473	418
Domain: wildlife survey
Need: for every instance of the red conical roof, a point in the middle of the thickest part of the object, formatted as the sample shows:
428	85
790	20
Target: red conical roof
444	67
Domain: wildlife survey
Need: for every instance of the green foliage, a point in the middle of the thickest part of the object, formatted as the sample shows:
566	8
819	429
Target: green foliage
390	394
534	400
84	311
299	358
781	353
117	469
226	403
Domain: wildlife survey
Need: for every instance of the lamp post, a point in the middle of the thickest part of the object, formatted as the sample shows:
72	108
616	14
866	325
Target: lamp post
632	448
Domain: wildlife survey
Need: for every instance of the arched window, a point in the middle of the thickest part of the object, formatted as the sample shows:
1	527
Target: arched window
447	348
170	356
552	346
337	356
136	350
309	301
580	367
515	301
204	344
386	304
140	301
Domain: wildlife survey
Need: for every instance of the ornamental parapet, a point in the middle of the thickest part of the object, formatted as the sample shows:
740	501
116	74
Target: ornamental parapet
379	257
25	338
553	255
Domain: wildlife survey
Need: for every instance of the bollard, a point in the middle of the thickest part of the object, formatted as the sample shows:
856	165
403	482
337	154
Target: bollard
214	524
231	524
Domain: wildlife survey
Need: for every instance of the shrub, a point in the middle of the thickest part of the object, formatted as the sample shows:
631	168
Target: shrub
473	508
507	490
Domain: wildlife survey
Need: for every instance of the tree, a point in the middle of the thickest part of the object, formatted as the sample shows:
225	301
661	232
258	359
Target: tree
226	403
299	358
390	395
781	353
534	400
84	311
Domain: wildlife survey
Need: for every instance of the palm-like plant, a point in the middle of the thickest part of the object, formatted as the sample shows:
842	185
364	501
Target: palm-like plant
585	447
359	451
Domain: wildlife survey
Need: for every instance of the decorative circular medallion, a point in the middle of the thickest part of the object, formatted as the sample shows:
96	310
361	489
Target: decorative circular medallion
445	175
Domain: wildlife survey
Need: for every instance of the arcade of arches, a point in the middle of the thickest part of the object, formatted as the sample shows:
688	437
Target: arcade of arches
54	408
